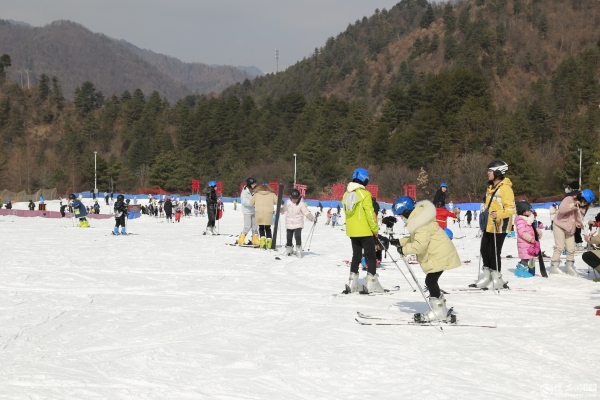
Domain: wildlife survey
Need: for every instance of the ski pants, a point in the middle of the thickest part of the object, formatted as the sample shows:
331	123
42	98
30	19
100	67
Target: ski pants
490	255
212	215
265	230
578	238
294	233
431	281
250	224
169	216
591	259
120	221
562	239
366	244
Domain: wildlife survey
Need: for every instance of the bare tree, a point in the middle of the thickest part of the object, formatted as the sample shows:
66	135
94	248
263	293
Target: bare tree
143	176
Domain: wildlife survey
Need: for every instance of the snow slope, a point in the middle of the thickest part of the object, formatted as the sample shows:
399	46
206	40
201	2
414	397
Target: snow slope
171	314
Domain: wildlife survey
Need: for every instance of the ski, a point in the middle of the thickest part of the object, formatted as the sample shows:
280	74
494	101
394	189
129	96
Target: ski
386	293
254	246
597	308
278	210
479	290
413	323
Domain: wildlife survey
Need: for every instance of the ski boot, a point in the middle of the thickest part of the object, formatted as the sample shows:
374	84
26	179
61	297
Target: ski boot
84	223
554	268
298	251
123	231
597	269
485	280
115	231
438	312
289	250
269	243
522	271
497	282
241	239
263	242
373	284
255	240
570	268
214	231
353	286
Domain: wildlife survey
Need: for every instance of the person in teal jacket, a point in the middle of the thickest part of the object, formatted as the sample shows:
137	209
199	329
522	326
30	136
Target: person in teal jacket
362	228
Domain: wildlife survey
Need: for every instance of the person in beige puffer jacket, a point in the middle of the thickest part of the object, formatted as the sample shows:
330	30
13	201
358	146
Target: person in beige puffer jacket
263	200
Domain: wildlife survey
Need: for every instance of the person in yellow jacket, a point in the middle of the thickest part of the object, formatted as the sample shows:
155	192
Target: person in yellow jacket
362	228
433	249
500	205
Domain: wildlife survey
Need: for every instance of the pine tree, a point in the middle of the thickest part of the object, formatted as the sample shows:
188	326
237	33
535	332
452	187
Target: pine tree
428	17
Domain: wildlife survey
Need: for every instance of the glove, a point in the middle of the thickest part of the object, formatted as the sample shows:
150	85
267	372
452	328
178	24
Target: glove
395	242
400	250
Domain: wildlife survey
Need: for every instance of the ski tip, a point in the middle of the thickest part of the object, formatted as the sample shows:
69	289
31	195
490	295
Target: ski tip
277	258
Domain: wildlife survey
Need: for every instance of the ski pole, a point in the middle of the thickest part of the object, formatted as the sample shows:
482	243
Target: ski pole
311	234
496	256
394	261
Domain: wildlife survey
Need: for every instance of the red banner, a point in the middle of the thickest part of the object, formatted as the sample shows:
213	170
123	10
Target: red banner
410	191
275	186
301	189
373	189
195	185
219	188
338	190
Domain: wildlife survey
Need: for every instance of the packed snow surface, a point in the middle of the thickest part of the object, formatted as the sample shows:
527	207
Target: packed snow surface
168	313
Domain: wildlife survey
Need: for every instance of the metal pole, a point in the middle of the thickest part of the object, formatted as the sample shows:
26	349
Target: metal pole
294	170
580	151
95	180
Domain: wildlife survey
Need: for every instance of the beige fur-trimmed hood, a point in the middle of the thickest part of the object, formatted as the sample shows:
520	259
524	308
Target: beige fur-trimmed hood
423	213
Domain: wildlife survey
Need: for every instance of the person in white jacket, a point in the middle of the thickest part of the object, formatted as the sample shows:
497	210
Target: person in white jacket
295	210
249	214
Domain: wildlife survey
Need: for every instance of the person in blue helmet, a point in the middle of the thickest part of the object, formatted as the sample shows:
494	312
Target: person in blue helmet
440	195
433	247
211	208
362	228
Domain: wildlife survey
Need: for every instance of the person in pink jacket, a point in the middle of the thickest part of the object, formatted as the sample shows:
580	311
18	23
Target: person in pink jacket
295	210
567	218
527	246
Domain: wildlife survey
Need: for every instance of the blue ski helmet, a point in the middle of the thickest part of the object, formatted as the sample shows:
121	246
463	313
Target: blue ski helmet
444	184
212	184
361	174
402	204
449	233
588	196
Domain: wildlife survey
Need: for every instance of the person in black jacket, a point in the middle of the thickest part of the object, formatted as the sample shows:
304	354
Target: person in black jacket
62	209
120	215
211	208
168	207
31	205
8	205
440	195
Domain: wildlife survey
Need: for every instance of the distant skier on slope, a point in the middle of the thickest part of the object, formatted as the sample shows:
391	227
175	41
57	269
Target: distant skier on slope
120	210
212	202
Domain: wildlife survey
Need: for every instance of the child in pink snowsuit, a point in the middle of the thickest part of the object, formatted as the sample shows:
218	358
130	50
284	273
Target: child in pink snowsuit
528	247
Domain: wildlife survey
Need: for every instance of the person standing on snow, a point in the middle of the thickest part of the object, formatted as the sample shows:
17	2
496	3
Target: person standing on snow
168	210
295	210
469	217
249	214
362	228
500	201
212	202
120	210
263	199
79	211
527	245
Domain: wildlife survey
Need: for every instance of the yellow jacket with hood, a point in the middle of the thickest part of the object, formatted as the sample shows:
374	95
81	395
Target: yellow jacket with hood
360	215
504	205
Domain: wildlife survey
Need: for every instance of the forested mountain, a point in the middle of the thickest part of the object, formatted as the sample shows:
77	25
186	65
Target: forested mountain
421	93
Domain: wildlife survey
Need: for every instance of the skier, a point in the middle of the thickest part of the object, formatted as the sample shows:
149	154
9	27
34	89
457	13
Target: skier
328	217
389	222
211	204
320	207
31	206
249	214
572	189
8	205
566	220
469	217
234	204
500	201
553	210
263	199
442	214
62	209
592	257
80	211
433	248
168	209
440	194
527	244
362	228
295	210
120	210
178	214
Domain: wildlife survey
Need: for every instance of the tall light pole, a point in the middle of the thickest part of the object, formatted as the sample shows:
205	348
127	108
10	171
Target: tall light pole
277	59
95	180
27	71
21	72
294	170
580	152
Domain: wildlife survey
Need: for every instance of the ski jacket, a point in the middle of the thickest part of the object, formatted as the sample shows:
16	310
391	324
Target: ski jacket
120	209
525	236
247	208
263	200
79	209
31	205
469	215
168	207
504	205
440	197
428	241
8	206
295	213
441	216
358	207
568	216
211	199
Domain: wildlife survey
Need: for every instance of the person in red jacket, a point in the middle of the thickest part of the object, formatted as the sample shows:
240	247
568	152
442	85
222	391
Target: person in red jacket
442	214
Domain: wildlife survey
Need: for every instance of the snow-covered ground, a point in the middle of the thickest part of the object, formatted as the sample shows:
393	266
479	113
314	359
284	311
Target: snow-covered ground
170	314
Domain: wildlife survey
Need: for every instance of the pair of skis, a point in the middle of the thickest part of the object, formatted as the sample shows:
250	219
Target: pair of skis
365	319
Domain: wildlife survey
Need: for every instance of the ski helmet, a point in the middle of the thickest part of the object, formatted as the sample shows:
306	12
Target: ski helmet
212	184
295	194
587	195
265	184
250	182
402	204
444	184
71	196
361	175
522	206
449	233
500	168
120	197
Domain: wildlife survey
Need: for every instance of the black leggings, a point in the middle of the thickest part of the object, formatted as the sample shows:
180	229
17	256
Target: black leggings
265	230
366	243
212	215
431	281
297	234
591	259
578	238
120	221
489	255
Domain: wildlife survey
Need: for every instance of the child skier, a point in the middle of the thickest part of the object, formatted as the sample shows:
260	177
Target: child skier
295	210
249	214
433	249
527	244
120	209
442	214
178	214
211	203
362	228
592	257
80	211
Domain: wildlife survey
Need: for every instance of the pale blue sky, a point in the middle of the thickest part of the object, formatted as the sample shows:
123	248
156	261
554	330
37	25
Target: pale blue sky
211	31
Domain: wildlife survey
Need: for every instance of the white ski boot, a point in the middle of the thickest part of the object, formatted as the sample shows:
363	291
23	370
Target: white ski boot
570	268
298	251
353	285
439	313
373	284
485	280
554	268
289	250
497	282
